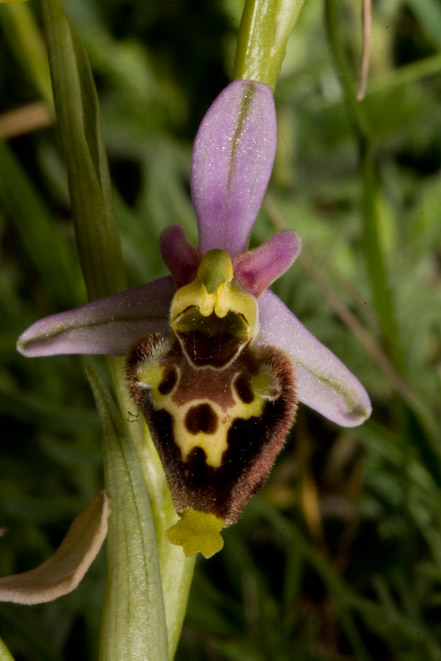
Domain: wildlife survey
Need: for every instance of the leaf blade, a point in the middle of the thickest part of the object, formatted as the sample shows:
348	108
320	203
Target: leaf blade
63	571
79	123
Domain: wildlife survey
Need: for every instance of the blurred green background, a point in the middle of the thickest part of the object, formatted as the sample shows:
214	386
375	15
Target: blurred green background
339	557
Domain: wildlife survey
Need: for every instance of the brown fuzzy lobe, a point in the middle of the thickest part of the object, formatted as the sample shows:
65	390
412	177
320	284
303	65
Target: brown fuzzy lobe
253	443
283	415
147	347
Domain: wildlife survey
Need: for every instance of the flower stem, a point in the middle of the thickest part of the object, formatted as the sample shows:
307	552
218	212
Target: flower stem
263	33
176	570
134	622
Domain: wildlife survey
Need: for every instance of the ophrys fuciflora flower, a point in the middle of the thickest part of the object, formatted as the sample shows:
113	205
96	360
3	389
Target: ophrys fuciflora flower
215	361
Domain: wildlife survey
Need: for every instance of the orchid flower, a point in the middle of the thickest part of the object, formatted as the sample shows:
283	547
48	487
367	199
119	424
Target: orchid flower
215	361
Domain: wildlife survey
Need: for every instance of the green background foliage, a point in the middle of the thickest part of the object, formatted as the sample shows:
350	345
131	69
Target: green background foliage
339	556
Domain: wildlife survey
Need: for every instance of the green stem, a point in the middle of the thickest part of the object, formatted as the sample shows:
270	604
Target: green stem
176	569
375	262
263	33
26	41
134	622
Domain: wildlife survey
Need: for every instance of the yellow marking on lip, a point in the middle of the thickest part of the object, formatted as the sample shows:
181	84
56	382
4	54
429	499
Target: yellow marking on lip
151	374
214	445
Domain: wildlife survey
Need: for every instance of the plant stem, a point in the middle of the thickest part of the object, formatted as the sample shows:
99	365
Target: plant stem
263	33
375	262
28	46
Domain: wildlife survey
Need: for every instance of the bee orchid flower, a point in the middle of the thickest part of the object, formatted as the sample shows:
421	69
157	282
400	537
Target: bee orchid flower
215	361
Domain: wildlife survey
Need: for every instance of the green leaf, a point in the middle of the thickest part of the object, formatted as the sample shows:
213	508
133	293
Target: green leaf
429	15
133	625
78	117
63	571
46	249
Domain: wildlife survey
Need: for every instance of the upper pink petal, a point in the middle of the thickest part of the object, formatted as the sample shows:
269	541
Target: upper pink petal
233	156
323	382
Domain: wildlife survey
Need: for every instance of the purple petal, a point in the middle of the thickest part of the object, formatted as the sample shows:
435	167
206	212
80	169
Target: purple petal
107	326
179	255
323	382
258	268
233	156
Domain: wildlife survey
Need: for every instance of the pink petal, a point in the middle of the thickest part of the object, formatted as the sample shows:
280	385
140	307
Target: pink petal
107	326
233	156
323	382
258	268
179	255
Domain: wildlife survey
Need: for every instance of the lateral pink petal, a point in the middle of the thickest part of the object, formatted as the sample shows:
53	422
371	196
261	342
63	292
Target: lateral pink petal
106	326
233	156
324	383
258	268
179	255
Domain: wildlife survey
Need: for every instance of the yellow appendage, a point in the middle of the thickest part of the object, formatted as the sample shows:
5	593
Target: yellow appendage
214	291
197	532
